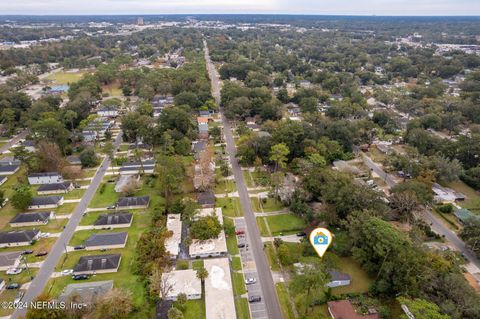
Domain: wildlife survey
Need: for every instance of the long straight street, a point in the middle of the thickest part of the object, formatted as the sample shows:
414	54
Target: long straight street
40	281
263	270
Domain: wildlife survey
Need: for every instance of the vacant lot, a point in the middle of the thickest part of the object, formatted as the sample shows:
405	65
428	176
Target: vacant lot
59	78
284	223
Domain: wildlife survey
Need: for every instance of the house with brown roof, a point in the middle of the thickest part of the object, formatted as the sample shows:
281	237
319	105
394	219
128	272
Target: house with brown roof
343	309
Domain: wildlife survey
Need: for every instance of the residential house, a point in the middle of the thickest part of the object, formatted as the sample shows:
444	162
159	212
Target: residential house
338	279
197	148
108	112
215	247
162	101
10	259
18	238
133	202
206	199
46	202
172	244
97	264
252	124
57	188
202	127
129	168
463	215
6	170
85	293
343	309
45	178
29	145
74	160
31	219
114	220
305	84
446	195
106	241
179	282
9	160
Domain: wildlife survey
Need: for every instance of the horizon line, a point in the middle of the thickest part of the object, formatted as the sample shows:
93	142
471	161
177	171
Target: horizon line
239	13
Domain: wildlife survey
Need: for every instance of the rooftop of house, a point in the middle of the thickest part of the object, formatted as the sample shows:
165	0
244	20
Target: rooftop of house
106	239
343	309
97	262
206	198
18	236
45	200
174	224
31	217
85	292
9	258
335	275
182	281
44	174
114	219
133	201
54	187
9	168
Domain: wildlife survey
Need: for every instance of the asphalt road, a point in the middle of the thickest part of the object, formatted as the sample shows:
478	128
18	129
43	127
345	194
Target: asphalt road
263	269
14	140
40	281
436	224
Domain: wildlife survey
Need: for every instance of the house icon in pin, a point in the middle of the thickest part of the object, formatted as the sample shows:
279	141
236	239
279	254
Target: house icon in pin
320	239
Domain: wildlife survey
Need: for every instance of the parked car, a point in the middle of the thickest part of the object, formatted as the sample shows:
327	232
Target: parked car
18	298
44	235
80	277
79	247
301	234
254	299
66	272
13	285
241	245
112	207
250	281
27	252
14	271
240	232
41	253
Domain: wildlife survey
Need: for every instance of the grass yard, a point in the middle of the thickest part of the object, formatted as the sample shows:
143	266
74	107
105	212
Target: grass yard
238	283
230	206
280	224
243	311
112	90
248	179
271	256
472	202
225	186
231	239
360	279
9	295
105	199
195	309
284	301
270	205
236	263
197	264
76	193
61	77
67	208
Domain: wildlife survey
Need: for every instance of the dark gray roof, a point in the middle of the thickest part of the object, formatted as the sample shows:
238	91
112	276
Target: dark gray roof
9	160
45	200
199	146
106	239
138	164
55	187
336	275
73	159
8	258
133	201
86	292
19	236
97	262
28	143
206	198
9	168
114	219
136	168
31	217
2	178
44	174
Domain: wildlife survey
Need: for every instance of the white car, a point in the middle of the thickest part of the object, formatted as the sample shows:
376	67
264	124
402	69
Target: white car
14	271
250	281
44	235
67	272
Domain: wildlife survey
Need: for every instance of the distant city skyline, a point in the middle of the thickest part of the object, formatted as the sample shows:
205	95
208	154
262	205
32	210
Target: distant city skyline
321	7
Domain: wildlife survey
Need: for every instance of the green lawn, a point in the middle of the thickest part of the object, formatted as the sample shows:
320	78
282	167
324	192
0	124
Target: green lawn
230	206
9	295
67	208
360	279
284	300
236	263
105	199
472	202
238	283
195	309
243	311
285	223
91	217
231	239
248	179
225	186
75	194
270	205
61	77
197	264
271	256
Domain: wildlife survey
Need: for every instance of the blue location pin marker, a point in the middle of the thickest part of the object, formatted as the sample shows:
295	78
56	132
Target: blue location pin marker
320	238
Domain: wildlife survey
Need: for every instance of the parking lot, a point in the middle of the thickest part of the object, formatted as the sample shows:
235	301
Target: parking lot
257	309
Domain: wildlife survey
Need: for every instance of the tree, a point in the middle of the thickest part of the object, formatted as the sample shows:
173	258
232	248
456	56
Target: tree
446	170
181	301
171	175
22	197
284	255
421	309
115	304
471	234
51	130
309	104
422	191
51	159
278	154
145	108
404	204
109	149
202	274
204	228
88	157
174	313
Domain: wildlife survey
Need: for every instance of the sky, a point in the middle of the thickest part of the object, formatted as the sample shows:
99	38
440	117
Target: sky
341	7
